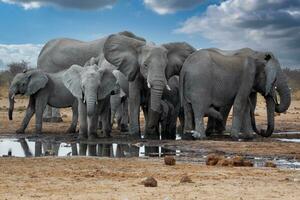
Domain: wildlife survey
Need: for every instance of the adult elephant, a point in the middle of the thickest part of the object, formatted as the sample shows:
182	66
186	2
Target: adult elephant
60	54
234	79
281	86
147	65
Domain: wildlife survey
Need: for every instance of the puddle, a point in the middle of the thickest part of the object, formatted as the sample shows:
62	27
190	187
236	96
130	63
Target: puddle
289	140
24	147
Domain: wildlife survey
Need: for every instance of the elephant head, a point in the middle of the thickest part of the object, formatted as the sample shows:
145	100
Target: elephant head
26	83
155	63
268	75
90	84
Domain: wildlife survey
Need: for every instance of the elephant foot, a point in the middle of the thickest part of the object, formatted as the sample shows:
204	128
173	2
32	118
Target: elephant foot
56	119
124	128
168	136
92	137
20	131
82	136
241	136
135	136
193	135
46	119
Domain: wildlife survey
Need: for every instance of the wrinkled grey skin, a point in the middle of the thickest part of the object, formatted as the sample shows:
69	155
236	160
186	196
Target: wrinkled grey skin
42	89
222	81
215	126
59	54
147	67
171	110
92	87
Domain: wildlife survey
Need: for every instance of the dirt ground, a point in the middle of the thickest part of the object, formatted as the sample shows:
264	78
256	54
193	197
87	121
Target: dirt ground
116	178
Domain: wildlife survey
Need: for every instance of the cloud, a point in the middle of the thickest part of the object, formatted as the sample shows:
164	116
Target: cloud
263	25
16	53
171	6
75	4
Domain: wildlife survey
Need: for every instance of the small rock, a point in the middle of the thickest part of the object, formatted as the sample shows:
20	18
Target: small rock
247	163
270	164
237	161
223	162
186	179
213	159
170	160
149	182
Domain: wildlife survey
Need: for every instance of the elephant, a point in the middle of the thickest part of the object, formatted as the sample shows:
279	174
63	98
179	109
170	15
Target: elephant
210	81
43	89
171	110
281	86
61	53
92	87
147	67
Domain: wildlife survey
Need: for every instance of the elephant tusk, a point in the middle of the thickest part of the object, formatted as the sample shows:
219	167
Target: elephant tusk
84	101
148	84
13	96
168	87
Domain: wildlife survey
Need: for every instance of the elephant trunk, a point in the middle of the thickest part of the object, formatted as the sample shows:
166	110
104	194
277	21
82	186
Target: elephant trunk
155	104
90	104
284	93
270	115
11	99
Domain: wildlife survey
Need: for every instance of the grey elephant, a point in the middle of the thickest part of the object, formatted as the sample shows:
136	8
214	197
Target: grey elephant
225	80
43	89
281	87
60	54
92	87
147	67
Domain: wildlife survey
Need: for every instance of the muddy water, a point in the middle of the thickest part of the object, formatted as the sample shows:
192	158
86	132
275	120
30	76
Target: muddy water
52	146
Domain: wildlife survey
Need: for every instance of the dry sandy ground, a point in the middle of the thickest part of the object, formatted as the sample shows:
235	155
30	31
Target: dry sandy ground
105	178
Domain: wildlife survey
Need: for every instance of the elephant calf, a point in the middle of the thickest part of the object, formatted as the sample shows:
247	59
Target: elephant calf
42	89
92	87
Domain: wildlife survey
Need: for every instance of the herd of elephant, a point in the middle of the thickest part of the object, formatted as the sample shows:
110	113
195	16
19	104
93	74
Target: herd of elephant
120	74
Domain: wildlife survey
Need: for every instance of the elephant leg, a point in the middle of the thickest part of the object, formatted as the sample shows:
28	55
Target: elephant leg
189	120
40	105
92	126
246	129
82	120
106	123
215	126
38	149
72	128
74	149
238	114
124	118
134	108
47	114
28	115
92	149
56	117
181	121
199	122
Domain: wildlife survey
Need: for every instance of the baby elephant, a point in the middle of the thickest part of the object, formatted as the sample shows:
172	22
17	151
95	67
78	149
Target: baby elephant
92	87
42	89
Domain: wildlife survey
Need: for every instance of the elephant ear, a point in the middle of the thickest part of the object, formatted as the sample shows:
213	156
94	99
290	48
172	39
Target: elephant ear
37	81
271	69
122	52
177	53
107	83
72	80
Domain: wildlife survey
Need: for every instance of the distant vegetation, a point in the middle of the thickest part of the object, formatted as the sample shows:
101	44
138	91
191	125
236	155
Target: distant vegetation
12	69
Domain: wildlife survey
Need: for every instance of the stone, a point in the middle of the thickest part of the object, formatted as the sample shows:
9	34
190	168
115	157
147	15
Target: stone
149	182
170	160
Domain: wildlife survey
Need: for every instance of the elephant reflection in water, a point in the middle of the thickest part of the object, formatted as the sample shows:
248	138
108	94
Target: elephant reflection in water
153	151
49	147
106	150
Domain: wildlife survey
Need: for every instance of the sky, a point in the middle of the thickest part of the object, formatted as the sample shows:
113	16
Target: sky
265	25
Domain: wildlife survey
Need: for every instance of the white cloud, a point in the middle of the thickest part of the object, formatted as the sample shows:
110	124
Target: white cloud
264	25
171	6
18	52
76	4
